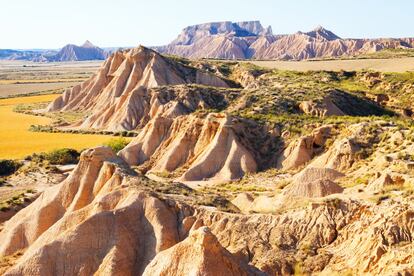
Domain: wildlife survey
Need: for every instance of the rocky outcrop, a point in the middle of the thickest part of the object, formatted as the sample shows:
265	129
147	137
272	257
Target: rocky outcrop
302	150
340	103
116	98
225	40
341	156
377	243
202	253
249	40
203	149
318	188
314	182
89	223
193	33
386	180
265	239
104	220
311	174
321	109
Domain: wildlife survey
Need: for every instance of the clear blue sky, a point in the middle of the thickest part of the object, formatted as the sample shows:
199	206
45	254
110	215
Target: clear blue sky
53	23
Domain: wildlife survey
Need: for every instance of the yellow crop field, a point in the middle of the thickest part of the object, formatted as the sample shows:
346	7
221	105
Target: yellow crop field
16	141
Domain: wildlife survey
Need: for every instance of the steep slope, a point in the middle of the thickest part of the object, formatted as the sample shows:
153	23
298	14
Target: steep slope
201	252
95	208
225	40
117	97
315	44
105	220
87	51
249	40
197	149
193	33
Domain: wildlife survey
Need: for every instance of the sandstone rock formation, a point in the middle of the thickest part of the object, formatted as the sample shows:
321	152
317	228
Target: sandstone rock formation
117	97
206	149
199	254
385	180
317	188
341	156
383	247
93	222
302	150
308	205
243	201
103	220
220	40
193	33
249	40
325	108
314	182
311	174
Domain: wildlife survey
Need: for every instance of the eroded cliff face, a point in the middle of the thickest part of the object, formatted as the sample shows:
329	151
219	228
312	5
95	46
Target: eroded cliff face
103	219
249	40
197	149
116	98
200	253
233	196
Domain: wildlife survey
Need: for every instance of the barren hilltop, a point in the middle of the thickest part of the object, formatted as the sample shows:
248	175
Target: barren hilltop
69	52
250	40
234	169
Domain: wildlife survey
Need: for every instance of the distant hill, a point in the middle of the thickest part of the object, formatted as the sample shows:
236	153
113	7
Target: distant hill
250	40
32	55
87	51
70	52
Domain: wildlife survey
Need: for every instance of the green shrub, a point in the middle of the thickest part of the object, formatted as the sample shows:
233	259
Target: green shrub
117	144
8	167
62	156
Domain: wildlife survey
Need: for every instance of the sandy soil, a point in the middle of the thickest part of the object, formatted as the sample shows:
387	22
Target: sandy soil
18	77
383	65
25	88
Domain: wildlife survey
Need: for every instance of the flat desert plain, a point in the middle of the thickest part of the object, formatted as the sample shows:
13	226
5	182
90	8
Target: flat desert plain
382	65
18	77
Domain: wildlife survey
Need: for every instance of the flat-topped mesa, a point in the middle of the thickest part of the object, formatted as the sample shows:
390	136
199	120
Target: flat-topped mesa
191	34
115	96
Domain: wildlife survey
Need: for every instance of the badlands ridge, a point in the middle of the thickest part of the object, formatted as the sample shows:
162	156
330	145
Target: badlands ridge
219	182
249	40
235	40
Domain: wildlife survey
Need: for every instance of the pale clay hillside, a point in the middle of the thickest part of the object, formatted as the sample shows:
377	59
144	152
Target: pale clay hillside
250	40
232	168
247	40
